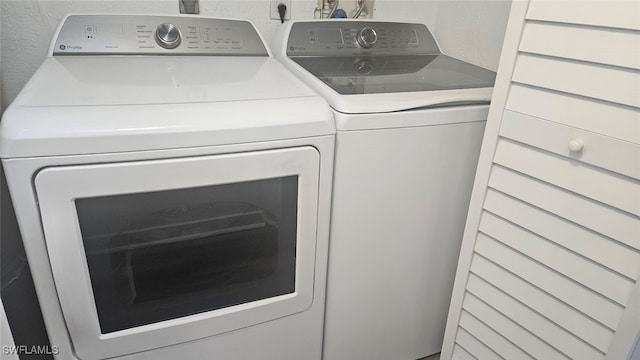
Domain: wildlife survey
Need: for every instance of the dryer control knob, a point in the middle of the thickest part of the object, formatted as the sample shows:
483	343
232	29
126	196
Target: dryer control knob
367	37
168	36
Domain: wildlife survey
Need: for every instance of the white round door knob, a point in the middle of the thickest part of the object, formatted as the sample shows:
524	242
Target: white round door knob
576	145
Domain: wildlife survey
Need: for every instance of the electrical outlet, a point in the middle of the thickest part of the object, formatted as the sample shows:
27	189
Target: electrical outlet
274	9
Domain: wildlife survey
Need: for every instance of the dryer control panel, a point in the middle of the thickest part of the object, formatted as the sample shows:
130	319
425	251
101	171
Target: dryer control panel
156	35
348	37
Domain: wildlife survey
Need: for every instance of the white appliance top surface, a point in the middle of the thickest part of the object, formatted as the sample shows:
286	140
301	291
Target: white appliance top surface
137	80
99	104
116	83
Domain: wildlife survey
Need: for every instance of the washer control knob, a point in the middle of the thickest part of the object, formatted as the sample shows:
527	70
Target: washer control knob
367	37
168	36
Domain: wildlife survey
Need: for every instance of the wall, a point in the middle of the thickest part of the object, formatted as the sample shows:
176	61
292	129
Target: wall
471	30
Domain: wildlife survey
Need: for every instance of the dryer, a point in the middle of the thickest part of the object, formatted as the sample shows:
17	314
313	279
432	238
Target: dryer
409	125
171	183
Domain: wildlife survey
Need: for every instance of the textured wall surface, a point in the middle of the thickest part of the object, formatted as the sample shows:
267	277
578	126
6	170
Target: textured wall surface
471	30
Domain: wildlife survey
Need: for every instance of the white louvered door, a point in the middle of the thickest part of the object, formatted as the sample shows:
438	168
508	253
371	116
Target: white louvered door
550	261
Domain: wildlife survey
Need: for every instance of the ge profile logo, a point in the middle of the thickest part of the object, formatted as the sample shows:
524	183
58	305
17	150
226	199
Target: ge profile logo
62	47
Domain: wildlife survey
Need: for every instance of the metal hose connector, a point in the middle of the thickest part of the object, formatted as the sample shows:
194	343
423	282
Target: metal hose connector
334	7
359	9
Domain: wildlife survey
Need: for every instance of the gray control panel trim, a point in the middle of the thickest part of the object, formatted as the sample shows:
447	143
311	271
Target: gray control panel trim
337	38
135	35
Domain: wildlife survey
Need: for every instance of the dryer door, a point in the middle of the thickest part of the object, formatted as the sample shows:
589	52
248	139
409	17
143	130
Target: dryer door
152	253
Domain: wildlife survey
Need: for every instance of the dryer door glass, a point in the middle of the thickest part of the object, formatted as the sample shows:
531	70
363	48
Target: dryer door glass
161	255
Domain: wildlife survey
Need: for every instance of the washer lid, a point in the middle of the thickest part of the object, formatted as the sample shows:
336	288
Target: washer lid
372	66
383	93
349	75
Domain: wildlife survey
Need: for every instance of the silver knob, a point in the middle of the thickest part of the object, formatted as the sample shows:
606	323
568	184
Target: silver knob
168	36
367	37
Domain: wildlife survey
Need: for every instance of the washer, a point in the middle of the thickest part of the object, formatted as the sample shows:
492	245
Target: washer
171	183
409	125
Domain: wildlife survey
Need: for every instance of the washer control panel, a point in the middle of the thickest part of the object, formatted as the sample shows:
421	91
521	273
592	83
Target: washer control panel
156	35
335	38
